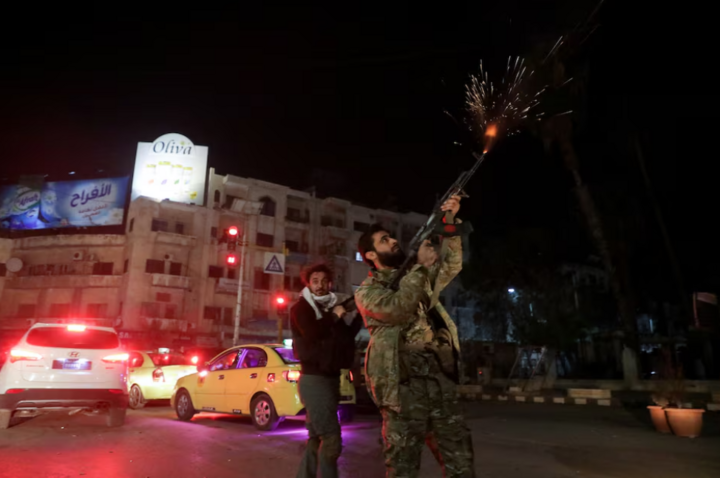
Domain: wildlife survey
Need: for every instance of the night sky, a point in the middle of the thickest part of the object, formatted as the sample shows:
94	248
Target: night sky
357	89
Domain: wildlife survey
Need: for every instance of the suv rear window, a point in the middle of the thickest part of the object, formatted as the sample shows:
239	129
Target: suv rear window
60	337
161	360
287	355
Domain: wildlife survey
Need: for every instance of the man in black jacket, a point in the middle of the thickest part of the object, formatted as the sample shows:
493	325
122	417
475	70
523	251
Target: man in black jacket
324	342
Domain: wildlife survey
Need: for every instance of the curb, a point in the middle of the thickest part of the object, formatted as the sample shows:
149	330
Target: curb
540	399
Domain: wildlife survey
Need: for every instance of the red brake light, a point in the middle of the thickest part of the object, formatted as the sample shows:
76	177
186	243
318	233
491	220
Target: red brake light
15	390
291	375
17	354
350	375
194	360
158	375
76	328
116	390
116	358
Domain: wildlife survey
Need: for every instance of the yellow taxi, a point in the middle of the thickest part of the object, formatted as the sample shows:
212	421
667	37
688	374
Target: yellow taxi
256	380
152	375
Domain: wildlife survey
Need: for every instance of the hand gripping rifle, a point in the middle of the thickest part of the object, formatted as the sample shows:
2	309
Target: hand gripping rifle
434	228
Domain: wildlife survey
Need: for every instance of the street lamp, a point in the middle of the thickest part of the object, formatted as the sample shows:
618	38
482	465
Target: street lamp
511	290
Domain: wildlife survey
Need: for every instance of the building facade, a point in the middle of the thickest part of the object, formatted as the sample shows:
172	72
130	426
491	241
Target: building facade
167	276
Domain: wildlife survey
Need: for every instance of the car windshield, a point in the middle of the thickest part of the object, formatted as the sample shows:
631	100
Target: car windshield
286	354
62	338
161	360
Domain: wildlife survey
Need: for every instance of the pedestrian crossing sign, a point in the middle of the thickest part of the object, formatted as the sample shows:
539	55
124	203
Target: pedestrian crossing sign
274	263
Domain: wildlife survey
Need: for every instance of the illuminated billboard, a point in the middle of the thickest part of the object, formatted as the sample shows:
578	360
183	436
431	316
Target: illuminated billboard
171	167
82	203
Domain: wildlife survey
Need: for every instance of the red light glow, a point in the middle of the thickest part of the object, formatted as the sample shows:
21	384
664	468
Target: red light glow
280	300
231	259
17	354
76	328
291	375
233	231
116	358
194	360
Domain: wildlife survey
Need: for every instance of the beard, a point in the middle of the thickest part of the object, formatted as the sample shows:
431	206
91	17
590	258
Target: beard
392	259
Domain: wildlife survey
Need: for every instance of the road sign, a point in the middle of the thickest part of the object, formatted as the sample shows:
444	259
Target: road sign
274	263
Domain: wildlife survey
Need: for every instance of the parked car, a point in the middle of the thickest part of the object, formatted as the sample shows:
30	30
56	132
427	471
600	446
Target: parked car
153	375
65	368
255	380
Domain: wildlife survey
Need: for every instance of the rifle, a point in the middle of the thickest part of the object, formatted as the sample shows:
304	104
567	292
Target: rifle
433	227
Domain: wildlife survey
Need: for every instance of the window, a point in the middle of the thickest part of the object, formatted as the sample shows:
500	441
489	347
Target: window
176	268
229	200
150	309
293	283
268	208
125	266
59	310
254	358
262	280
228	316
212	313
215	271
163	360
132	224
163	297
213	233
158	225
136	360
97	311
103	268
3	270
226	361
360	226
154	266
216	196
60	337
170	311
179	228
292	246
359	257
26	311
265	240
286	355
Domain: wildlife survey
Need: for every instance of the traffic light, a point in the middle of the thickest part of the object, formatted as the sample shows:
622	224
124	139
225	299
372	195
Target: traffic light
232	232
231	235
281	304
231	260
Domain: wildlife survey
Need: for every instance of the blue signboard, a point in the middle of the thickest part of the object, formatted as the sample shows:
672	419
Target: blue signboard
83	203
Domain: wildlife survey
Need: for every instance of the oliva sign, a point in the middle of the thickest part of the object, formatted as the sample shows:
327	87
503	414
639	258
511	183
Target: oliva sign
171	167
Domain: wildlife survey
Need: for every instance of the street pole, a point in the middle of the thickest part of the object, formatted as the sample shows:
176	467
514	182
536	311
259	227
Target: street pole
238	302
282	294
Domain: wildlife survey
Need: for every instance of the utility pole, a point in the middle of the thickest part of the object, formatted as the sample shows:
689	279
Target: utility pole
241	276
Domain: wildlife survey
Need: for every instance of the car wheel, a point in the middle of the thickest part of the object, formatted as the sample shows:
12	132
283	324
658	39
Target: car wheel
5	416
346	414
136	399
115	417
184	407
263	413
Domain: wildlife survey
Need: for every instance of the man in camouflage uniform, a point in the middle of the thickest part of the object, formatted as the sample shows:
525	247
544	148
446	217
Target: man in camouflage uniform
412	360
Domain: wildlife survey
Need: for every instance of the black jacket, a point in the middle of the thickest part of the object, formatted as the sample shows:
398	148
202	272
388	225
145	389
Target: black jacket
323	346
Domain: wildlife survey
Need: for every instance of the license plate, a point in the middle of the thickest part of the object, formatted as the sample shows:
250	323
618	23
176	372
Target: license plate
72	364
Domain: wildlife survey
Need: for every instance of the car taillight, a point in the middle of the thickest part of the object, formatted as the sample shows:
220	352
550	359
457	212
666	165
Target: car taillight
17	354
15	390
194	360
116	358
350	376
291	375
117	391
158	375
76	328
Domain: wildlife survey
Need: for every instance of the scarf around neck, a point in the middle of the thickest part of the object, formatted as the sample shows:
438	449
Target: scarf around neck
326	301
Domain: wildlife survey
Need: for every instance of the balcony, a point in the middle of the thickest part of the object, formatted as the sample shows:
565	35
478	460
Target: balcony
176	239
171	281
171	325
299	218
63	282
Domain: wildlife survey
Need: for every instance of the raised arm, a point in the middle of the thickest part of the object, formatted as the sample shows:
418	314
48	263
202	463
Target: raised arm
394	307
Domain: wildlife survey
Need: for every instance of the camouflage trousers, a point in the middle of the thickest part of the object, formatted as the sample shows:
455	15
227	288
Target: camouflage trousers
429	413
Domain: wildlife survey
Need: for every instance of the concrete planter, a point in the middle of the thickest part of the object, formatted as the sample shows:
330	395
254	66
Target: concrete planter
659	419
685	422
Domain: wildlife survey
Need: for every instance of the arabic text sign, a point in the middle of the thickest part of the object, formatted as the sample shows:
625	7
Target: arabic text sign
83	203
171	167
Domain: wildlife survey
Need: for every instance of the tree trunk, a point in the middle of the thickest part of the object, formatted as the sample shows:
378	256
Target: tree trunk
597	233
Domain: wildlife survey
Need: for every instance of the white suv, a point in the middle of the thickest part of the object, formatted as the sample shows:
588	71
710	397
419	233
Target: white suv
72	368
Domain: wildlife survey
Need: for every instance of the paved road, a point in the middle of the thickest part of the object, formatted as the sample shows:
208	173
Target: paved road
511	440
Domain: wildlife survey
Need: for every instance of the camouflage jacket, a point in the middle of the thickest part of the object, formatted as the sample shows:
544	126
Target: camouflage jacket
390	314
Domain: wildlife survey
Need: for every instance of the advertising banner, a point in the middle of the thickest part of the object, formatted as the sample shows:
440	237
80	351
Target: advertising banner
82	203
171	167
